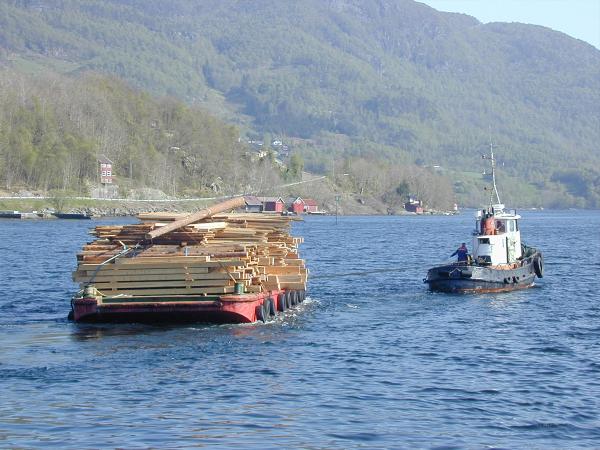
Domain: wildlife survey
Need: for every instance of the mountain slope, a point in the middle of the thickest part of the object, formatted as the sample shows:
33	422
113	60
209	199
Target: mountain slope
431	85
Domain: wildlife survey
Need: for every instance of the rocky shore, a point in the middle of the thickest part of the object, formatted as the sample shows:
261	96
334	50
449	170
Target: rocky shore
133	209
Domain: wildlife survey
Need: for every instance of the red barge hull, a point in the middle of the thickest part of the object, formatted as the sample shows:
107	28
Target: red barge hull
234	308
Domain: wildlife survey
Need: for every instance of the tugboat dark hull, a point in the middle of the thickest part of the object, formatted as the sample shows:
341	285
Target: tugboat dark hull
463	278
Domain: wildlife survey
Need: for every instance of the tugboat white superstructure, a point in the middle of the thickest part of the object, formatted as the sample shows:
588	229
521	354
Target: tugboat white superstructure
499	262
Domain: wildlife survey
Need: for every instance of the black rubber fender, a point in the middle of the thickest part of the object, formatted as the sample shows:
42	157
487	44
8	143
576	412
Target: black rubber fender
281	302
538	265
262	311
288	299
272	309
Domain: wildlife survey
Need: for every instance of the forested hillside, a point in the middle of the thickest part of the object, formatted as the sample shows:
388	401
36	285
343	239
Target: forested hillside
381	81
54	128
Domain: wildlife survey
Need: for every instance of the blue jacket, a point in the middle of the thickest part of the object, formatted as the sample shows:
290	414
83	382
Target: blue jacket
462	253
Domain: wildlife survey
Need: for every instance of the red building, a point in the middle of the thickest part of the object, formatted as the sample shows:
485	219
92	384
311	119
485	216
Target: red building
310	205
105	169
300	205
273	204
296	206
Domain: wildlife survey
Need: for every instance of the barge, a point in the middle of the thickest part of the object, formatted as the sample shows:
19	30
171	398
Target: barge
210	266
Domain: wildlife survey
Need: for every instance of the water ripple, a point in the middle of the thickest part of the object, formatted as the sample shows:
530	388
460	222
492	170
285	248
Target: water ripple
367	362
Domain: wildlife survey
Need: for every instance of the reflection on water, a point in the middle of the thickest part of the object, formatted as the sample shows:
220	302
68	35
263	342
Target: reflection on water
374	361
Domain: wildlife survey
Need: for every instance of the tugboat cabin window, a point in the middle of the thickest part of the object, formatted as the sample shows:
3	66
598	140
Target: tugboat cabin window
511	225
500	226
484	241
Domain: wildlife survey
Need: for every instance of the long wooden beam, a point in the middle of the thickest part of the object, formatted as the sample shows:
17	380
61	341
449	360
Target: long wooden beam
233	203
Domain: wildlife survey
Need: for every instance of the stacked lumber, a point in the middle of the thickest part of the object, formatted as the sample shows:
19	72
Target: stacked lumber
206	257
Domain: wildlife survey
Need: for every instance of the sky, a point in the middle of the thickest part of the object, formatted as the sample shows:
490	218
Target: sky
577	18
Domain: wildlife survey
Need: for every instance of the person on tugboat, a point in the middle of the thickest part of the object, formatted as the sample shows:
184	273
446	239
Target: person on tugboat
462	253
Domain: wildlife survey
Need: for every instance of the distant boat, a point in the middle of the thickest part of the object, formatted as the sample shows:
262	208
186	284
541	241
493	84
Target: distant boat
20	215
500	261
10	214
71	216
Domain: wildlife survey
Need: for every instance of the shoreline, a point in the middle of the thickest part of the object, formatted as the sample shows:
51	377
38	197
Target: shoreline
46	206
45	211
99	208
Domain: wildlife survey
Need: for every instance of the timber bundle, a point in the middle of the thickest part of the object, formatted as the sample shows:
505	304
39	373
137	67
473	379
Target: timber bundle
209	256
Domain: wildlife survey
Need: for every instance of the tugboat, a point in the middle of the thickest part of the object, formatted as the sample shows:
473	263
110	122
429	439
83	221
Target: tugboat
500	262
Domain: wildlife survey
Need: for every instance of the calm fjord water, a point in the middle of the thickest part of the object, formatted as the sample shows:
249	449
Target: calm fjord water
374	362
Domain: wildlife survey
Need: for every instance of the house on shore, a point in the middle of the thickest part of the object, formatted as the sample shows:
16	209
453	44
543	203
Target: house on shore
300	205
253	204
413	205
295	205
310	205
105	170
273	204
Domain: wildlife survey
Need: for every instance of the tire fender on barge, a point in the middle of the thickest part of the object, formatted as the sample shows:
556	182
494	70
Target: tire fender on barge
538	265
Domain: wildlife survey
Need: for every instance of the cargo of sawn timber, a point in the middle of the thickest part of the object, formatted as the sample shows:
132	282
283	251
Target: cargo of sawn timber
210	266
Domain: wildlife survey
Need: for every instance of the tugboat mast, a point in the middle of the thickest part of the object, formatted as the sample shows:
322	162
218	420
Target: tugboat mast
494	190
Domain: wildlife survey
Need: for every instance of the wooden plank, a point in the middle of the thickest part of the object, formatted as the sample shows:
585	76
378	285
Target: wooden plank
172	291
282	270
291	279
109	271
154	263
118	285
209	226
165	260
293	286
266	261
158	216
295	262
118	277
